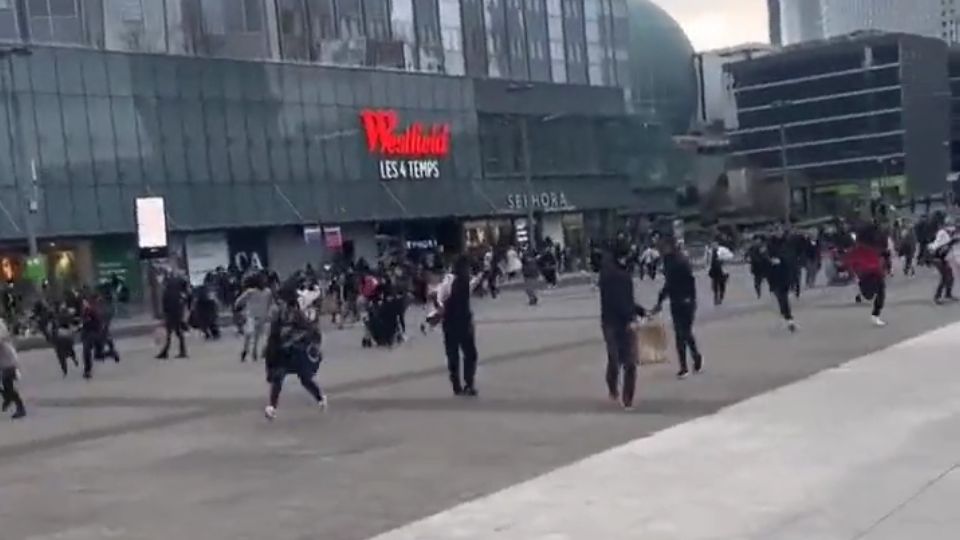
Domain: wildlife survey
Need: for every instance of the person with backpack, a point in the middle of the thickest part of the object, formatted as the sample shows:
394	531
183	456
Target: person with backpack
938	251
293	347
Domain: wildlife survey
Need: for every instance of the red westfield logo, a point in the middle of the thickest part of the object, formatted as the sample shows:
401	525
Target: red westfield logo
416	142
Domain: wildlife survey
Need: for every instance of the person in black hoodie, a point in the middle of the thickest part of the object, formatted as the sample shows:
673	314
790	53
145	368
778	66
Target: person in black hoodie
174	301
617	312
458	331
681	289
781	274
756	255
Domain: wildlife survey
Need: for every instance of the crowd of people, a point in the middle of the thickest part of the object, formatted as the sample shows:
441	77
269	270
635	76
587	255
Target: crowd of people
280	319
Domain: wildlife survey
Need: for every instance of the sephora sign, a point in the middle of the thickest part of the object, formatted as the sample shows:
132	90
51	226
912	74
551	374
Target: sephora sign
406	153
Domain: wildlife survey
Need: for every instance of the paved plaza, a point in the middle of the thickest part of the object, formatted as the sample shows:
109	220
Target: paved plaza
840	431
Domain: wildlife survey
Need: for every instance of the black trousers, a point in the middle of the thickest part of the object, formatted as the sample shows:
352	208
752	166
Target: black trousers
783	301
795	281
683	316
620	359
8	389
457	339
304	373
173	326
908	269
758	283
63	347
945	287
719	286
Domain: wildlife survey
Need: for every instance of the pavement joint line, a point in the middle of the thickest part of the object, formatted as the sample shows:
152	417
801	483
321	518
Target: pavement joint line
906	502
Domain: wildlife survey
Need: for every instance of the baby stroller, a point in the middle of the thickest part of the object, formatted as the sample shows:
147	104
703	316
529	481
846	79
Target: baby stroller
381	323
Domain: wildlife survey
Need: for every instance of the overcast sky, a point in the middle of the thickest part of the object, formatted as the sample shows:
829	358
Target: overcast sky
711	24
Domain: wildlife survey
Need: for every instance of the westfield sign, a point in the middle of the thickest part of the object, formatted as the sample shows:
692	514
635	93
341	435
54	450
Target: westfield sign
413	152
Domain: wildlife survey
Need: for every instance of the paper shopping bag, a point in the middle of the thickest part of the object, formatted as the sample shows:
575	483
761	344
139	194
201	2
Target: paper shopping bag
651	337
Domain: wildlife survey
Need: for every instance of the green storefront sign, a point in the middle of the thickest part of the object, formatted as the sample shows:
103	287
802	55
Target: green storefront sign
35	269
117	256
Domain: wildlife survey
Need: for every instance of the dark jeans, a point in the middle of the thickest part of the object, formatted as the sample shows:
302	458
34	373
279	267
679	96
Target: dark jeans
758	283
782	293
795	281
304	373
945	287
173	326
96	346
63	347
620	358
8	389
683	316
457	339
719	286
908	269
874	288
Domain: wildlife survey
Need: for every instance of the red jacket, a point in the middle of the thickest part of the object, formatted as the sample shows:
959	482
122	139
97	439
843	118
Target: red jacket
864	260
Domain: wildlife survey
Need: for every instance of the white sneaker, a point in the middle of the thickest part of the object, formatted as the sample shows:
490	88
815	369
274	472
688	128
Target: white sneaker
270	412
878	322
324	404
791	326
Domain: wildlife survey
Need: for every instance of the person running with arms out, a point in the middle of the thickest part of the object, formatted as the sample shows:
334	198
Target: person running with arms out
453	300
255	301
681	289
293	347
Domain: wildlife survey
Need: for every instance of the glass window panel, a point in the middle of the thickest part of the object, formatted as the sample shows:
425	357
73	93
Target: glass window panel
257	116
118	71
50	134
38	7
237	141
8	24
67	30
127	147
253	15
402	25
77	136
171	128
41	31
216	137
193	130
63	7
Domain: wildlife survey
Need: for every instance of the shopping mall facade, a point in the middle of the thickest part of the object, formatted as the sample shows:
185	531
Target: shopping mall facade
275	160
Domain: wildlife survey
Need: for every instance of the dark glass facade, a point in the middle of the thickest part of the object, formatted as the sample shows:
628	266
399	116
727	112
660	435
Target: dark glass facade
233	143
580	41
850	110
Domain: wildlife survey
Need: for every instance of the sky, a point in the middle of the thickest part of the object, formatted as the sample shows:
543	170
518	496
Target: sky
712	24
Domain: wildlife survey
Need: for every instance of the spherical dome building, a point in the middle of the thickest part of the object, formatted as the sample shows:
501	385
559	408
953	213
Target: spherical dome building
662	83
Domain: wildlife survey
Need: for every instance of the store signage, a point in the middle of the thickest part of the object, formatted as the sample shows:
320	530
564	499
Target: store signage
248	250
413	153
548	200
151	227
333	237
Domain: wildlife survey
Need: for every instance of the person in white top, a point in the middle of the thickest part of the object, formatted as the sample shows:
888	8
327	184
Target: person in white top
9	374
256	303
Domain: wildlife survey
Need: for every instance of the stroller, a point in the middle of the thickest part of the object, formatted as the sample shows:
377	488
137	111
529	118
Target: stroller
382	322
836	269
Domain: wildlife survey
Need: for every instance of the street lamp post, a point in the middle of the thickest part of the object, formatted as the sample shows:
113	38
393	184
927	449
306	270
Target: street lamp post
15	132
527	164
780	105
528	180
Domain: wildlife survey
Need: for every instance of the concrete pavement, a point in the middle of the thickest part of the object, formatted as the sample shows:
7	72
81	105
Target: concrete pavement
868	450
164	449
